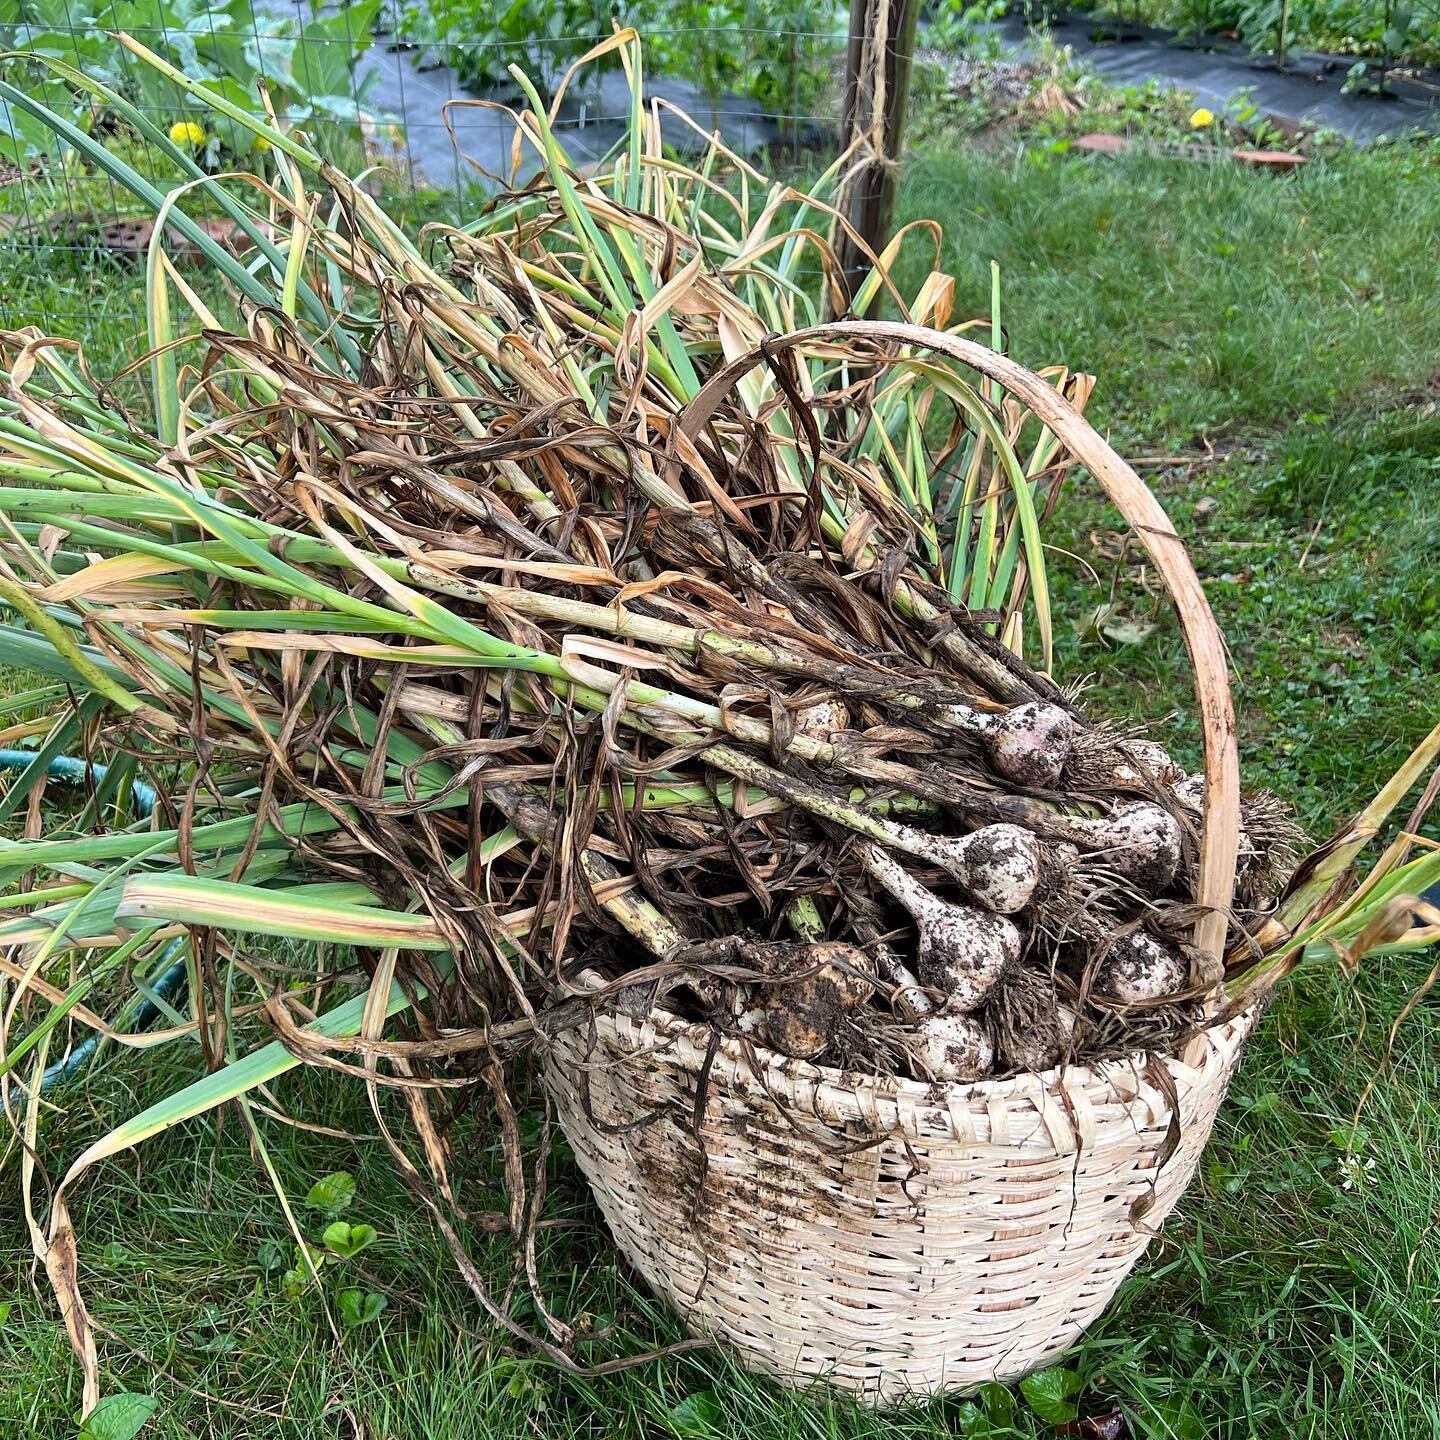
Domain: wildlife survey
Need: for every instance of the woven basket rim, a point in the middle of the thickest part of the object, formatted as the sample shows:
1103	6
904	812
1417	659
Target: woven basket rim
1119	1080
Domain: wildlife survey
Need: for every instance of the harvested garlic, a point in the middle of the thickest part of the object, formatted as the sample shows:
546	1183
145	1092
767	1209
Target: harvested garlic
801	1016
962	951
1143	760
1140	841
951	1048
1028	744
1140	970
1000	866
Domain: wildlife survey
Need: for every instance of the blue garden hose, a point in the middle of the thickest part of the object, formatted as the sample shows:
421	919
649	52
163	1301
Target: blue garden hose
73	771
146	1014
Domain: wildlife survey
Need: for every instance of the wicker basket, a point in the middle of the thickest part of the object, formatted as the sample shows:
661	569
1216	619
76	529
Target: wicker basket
886	1236
891	1237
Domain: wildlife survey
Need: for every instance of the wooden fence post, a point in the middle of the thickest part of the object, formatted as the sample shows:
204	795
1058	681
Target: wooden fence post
877	97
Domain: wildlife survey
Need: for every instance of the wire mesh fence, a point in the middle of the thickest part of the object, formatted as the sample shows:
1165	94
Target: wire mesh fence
415	92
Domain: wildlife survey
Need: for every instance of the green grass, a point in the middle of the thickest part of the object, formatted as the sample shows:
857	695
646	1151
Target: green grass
1207	298
1318	552
78	289
1278	1303
1297	377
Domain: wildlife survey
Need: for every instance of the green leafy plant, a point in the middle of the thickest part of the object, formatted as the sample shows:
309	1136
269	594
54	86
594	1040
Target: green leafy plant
359	1307
347	1240
308	68
792	71
1382	31
966	25
272	1255
1049	1394
481	40
779	53
990	1413
1245	115
706	41
332	1194
697	1417
117	1417
1193	19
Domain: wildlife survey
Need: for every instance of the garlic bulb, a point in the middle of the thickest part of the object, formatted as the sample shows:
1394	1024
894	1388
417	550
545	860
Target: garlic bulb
999	865
1141	970
952	1048
801	1016
1028	744
962	951
1140	841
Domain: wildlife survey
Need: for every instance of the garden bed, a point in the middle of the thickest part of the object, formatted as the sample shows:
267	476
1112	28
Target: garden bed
1216	69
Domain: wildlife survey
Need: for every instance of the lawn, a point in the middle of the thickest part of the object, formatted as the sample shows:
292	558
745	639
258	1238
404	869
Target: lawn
1273	354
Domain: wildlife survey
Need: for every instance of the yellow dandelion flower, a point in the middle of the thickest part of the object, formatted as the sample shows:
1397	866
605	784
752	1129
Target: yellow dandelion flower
1202	117
187	132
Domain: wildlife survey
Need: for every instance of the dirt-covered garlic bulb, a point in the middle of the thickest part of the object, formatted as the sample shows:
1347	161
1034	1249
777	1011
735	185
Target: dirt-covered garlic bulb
1028	744
1190	792
1138	969
1142	760
1040	1039
1139	840
800	1017
1265	845
1000	866
962	952
950	1048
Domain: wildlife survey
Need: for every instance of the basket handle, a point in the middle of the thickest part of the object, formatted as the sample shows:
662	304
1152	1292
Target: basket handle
1219	831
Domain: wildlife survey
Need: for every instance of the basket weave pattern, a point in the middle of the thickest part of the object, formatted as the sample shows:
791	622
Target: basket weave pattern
890	1237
